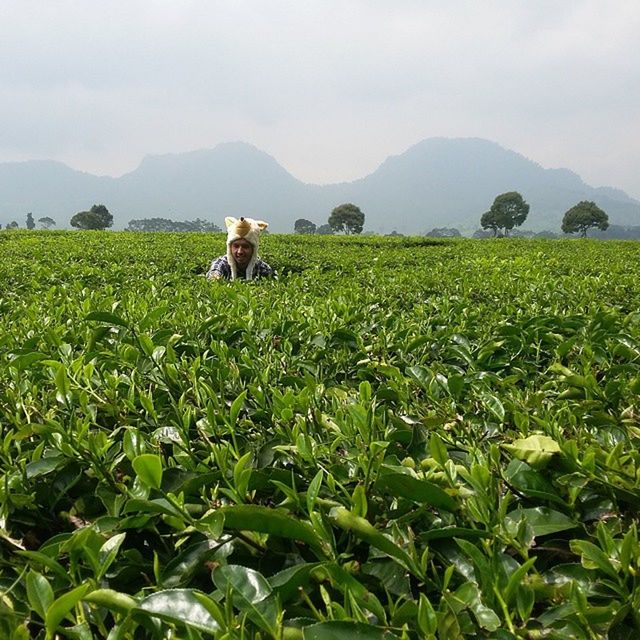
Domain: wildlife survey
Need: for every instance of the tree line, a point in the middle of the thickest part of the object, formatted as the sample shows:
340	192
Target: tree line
510	210
345	218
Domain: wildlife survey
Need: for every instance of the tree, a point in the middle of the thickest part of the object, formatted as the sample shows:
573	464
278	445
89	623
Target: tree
98	217
583	216
443	232
165	224
346	218
301	225
30	223
324	230
508	210
12	225
489	220
47	222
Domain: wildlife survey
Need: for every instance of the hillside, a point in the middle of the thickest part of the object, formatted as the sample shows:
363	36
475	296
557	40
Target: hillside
438	182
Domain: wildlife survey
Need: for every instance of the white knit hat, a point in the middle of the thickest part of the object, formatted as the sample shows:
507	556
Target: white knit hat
247	229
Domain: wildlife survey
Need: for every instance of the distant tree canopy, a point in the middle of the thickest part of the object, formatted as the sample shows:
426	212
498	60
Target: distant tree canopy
302	225
585	215
98	217
443	232
30	223
508	210
165	224
46	222
324	230
346	218
12	225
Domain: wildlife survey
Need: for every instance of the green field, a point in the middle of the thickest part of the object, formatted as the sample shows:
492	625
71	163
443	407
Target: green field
398	438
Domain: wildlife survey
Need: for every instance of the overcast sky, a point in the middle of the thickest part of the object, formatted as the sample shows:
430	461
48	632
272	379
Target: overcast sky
328	88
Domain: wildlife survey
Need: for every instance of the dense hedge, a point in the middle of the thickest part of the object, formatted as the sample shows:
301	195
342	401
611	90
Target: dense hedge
398	437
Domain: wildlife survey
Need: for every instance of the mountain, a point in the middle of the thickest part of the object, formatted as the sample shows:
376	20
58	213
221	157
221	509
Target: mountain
439	182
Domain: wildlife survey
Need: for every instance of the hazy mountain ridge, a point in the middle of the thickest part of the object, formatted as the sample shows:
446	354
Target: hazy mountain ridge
436	183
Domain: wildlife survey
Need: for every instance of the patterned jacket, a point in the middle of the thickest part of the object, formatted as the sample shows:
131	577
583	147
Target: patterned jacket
220	269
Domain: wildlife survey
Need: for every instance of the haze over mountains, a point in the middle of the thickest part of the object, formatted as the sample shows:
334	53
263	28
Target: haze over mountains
439	182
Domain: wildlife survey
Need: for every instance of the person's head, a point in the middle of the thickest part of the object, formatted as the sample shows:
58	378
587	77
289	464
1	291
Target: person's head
242	244
242	252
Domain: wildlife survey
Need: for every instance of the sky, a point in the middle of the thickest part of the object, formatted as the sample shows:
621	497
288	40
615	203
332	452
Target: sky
329	88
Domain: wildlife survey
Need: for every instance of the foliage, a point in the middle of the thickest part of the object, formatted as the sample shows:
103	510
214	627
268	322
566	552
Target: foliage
324	230
302	225
443	232
97	218
371	446
583	216
346	218
46	222
12	225
508	210
165	224
30	224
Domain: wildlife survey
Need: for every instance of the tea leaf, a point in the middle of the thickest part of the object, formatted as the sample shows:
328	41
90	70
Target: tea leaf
149	469
60	607
39	593
271	521
180	606
402	485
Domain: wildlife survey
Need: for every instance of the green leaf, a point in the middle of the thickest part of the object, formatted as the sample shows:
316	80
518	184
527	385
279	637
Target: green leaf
106	317
427	618
180	606
542	520
421	375
26	360
286	582
108	553
592	557
530	482
359	501
250	591
350	586
62	381
43	559
418	342
516	580
536	450
402	485
146	344
494	405
236	406
60	607
364	530
184	565
247	583
39	593
271	521
314	490
211	524
112	600
343	630
44	466
470	595
148	466
158	505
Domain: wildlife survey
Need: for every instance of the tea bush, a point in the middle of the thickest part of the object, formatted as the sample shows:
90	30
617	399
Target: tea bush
397	438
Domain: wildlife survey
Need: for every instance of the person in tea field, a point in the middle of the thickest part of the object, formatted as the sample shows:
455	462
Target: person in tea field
241	261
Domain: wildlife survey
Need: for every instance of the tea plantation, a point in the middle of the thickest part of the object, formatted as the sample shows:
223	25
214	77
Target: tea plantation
397	438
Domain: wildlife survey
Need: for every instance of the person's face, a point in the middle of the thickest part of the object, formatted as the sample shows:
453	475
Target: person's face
242	251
